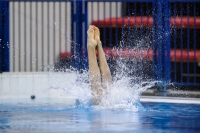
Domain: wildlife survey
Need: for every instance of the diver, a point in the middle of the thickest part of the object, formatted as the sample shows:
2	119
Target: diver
100	76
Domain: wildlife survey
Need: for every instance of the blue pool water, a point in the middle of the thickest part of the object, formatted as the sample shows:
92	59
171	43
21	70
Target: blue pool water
55	118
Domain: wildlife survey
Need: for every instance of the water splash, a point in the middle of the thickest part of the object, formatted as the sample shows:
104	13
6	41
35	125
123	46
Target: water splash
129	80
124	92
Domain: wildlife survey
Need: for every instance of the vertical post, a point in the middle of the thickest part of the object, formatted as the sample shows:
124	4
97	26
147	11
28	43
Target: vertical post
195	42
1	41
4	36
78	32
157	40
154	40
161	38
78	48
166	43
85	25
72	35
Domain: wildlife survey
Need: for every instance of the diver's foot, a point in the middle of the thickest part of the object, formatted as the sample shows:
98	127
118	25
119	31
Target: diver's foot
96	34
91	41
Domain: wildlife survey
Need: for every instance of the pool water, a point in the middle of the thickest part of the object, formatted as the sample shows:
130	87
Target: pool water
55	118
120	109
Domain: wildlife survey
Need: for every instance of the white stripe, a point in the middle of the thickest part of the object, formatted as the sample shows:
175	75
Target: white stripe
170	99
11	35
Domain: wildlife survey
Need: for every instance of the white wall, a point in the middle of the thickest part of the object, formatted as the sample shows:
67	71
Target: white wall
96	10
32	30
39	31
25	84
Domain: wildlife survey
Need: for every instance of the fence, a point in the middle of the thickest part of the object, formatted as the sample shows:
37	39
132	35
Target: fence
160	33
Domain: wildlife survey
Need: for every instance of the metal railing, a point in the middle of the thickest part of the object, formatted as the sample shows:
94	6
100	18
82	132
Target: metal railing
185	43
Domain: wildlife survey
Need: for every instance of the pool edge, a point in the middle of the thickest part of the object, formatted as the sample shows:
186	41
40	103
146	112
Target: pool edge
160	99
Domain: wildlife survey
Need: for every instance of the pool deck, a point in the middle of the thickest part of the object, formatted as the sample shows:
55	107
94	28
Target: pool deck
163	99
172	93
24	85
72	101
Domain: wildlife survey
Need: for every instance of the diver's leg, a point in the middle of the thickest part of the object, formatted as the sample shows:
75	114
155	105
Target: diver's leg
94	71
104	68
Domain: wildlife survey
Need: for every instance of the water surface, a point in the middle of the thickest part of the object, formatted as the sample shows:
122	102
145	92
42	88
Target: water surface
150	117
